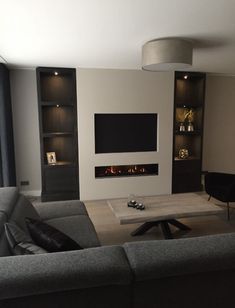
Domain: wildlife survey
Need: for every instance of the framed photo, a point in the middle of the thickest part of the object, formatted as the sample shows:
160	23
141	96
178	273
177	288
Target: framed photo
51	158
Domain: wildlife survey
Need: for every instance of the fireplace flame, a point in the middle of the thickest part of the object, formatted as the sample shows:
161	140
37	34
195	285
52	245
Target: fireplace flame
116	170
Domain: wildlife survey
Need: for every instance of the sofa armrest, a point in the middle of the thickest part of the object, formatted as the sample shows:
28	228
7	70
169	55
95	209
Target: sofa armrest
54	272
158	259
50	210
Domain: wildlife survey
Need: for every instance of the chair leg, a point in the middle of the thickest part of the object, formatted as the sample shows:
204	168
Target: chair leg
228	213
209	198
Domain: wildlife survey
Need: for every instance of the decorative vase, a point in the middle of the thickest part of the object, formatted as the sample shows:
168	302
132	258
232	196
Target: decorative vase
190	127
181	127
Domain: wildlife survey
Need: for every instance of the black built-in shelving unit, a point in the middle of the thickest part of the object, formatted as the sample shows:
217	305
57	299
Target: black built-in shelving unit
57	103
189	95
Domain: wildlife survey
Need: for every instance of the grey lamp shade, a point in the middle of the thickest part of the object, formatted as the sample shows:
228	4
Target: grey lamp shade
166	54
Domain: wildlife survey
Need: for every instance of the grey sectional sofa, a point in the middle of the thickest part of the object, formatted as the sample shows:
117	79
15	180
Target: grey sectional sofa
196	272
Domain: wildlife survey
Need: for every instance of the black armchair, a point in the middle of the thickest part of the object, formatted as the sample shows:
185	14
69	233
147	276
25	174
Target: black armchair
221	186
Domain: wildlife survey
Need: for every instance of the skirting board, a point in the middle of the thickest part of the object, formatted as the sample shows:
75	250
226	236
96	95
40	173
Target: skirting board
33	193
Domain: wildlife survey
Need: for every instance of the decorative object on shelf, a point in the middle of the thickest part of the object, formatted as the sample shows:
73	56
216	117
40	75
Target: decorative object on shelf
189	115
183	153
189	118
182	127
166	54
190	127
51	158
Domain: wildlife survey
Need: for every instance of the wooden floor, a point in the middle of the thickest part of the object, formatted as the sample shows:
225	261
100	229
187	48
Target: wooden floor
110	232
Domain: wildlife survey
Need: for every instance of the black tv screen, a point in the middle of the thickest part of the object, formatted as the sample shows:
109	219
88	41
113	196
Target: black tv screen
125	132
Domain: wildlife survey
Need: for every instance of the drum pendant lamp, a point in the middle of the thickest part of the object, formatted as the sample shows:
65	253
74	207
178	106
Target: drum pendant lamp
166	54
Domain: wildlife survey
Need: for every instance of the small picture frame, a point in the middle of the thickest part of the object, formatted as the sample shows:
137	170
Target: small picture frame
51	158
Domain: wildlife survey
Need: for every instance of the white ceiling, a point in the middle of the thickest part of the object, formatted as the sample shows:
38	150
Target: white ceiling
110	33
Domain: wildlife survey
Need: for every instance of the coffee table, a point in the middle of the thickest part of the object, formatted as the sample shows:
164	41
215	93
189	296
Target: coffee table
163	210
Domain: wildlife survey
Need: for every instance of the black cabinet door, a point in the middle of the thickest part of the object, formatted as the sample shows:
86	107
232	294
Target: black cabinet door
60	179
186	176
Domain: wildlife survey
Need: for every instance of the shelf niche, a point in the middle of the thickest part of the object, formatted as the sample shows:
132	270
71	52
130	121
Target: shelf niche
58	132
188	111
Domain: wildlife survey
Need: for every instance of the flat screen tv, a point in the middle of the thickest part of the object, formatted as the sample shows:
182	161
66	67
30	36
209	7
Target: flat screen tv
125	132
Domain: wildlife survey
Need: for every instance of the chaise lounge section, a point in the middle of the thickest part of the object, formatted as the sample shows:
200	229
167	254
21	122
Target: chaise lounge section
193	272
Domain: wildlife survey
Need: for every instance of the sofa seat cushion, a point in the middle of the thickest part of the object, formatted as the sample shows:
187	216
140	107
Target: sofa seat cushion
20	242
49	237
50	210
79	228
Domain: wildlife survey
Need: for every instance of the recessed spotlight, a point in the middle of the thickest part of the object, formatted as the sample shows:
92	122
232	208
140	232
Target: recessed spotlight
56	73
185	76
57	106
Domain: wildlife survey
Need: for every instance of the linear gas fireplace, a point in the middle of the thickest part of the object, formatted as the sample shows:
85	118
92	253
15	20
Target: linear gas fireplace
126	170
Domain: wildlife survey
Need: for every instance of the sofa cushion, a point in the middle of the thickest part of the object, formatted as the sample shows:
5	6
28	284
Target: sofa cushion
167	258
79	228
20	242
8	197
50	210
4	247
23	208
50	238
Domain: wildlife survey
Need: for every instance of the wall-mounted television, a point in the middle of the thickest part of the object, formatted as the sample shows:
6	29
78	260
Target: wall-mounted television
125	132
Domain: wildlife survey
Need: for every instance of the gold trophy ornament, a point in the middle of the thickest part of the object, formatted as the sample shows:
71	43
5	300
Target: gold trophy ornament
189	117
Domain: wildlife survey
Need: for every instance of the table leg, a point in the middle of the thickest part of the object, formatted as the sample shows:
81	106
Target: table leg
166	230
178	224
164	224
144	228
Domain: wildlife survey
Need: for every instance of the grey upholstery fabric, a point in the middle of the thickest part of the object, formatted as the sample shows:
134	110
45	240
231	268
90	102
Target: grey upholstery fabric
8	197
4	247
3	219
79	228
37	274
116	296
50	210
157	259
198	290
20	242
23	208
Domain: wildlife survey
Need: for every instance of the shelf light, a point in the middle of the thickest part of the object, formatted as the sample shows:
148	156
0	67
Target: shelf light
56	73
57	106
185	77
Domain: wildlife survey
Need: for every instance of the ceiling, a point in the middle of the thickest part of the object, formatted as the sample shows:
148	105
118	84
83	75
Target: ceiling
110	33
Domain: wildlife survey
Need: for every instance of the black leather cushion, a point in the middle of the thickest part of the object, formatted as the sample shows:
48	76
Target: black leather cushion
20	243
49	237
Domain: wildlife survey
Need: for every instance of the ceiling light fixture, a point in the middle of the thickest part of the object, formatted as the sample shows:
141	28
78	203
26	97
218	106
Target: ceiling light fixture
166	54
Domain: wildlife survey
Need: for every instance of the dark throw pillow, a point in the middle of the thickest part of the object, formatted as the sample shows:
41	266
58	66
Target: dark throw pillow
49	237
20	243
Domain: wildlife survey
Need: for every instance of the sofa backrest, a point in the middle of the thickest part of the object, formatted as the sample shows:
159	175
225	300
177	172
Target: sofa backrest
13	208
94	277
192	272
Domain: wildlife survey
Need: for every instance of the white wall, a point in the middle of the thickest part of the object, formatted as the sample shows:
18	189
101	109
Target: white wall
26	129
219	125
124	91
